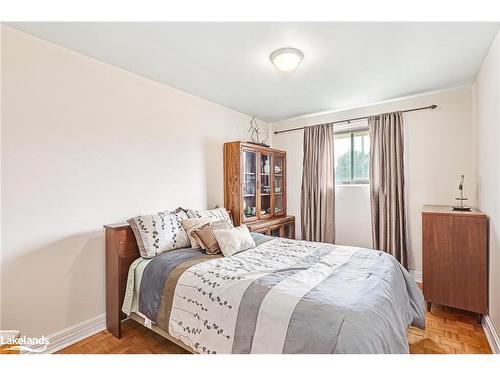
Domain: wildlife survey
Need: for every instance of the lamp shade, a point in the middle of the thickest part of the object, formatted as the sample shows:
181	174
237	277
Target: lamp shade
286	59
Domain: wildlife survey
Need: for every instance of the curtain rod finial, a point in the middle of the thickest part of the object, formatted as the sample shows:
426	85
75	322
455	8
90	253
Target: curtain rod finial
434	106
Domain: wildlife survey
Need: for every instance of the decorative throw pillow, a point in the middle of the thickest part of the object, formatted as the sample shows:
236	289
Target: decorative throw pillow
234	240
206	238
176	211
216	213
158	233
190	225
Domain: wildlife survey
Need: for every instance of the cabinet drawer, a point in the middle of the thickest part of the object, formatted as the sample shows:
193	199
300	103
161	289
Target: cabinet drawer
262	231
280	227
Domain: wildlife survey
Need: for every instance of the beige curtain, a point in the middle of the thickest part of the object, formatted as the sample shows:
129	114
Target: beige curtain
387	185
318	185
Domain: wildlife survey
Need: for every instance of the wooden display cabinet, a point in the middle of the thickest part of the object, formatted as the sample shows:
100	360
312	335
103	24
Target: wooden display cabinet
255	188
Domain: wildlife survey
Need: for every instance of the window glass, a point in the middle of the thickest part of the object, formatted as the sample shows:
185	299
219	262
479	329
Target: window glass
343	158
361	156
352	157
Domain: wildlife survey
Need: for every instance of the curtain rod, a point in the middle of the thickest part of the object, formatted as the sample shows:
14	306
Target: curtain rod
356	118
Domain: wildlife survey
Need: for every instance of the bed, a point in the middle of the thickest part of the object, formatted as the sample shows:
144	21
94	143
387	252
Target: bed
283	296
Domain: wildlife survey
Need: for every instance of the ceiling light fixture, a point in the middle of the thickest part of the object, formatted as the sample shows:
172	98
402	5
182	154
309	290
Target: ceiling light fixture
286	59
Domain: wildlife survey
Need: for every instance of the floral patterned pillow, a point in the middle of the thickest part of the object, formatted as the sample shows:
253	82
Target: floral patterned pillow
216	213
159	232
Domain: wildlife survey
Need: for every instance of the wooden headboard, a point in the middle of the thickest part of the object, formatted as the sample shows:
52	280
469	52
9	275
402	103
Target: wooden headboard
121	251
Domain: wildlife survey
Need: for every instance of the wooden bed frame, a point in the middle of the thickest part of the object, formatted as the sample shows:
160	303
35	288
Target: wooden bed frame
121	251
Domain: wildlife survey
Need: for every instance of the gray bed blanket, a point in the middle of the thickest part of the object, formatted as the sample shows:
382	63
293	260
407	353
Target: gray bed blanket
284	296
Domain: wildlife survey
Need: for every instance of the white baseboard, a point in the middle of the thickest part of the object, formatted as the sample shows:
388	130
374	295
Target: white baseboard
491	334
417	275
68	336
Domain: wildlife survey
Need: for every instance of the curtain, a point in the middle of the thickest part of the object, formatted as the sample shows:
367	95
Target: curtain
318	185
387	190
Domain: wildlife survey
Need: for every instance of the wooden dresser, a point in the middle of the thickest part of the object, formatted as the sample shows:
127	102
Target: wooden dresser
455	258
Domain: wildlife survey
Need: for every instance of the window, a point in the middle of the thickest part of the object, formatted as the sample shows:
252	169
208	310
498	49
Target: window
352	157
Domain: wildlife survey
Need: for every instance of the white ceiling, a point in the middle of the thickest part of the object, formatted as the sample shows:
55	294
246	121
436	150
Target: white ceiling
345	64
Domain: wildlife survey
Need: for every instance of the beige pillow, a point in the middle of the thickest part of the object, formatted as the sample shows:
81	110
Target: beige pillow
234	240
190	225
206	238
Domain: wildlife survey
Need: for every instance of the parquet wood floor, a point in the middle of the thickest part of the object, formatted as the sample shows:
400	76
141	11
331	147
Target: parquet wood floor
447	331
136	339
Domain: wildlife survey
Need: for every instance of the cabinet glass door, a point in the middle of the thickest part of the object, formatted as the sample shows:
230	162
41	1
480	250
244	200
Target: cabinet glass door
249	187
265	185
279	185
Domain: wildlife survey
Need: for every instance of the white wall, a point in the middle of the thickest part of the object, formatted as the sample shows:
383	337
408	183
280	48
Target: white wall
487	118
439	147
86	144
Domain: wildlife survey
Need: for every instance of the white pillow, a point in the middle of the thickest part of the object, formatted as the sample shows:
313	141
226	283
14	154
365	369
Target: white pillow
234	240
